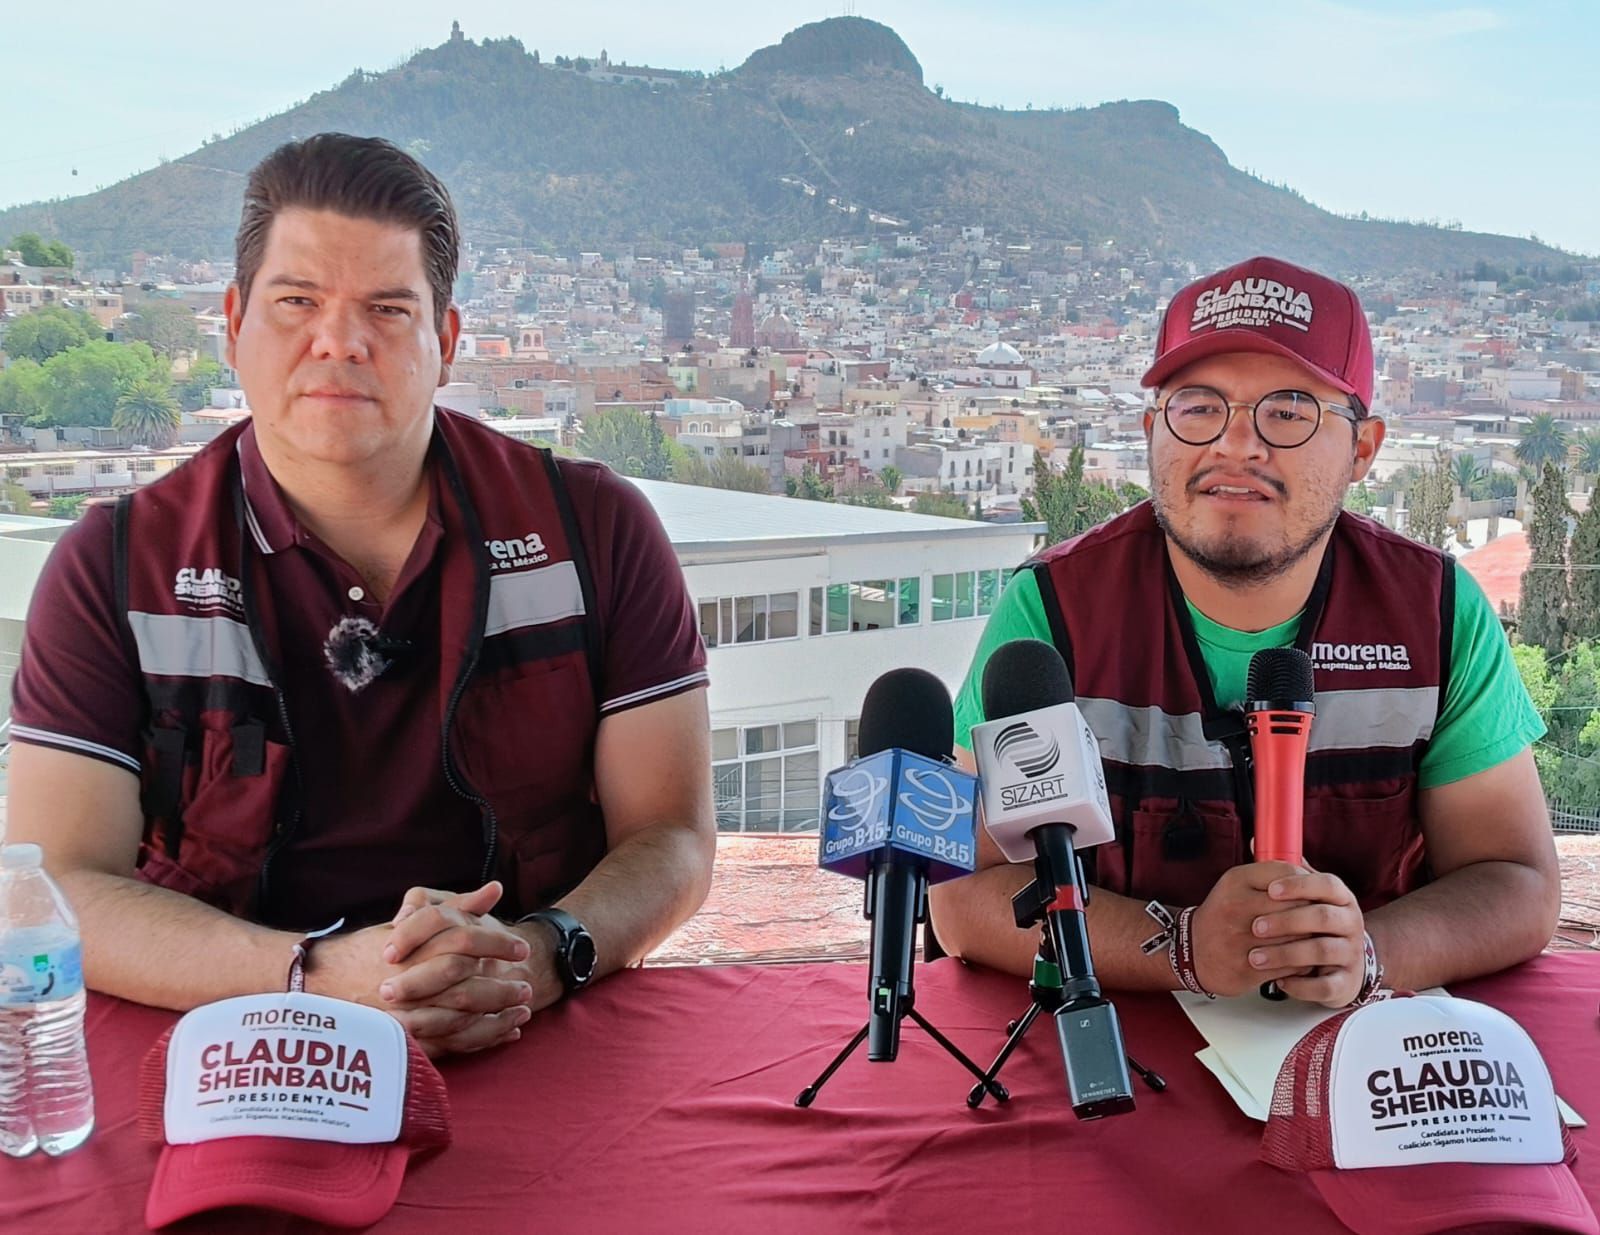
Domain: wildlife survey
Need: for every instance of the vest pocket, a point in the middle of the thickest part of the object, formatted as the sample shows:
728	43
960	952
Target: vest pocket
226	805
1374	844
1180	849
526	735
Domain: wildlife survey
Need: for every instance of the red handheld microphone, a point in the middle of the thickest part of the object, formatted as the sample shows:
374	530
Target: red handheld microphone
1279	705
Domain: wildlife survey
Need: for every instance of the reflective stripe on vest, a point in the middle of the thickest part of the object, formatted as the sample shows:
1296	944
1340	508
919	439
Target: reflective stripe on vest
196	647
533	598
1345	720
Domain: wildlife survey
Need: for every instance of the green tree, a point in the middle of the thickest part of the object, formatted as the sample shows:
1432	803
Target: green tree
728	472
1543	441
619	437
1583	557
49	331
1542	612
812	281
84	384
194	391
808	486
1589	455
1359	499
868	493
68	505
36	251
147	413
890	477
945	505
1428	502
166	325
1464	470
657	464
1067	503
23	387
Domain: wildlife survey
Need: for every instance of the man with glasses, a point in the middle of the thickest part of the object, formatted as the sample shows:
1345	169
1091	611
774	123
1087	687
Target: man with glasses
1428	849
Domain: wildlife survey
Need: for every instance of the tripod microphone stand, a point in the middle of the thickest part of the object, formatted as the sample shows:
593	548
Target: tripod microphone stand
1093	1060
892	1002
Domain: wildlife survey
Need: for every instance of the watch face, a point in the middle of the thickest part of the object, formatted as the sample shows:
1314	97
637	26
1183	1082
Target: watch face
580	957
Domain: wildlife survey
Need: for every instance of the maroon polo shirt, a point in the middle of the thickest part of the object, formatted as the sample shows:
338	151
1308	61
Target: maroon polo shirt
375	798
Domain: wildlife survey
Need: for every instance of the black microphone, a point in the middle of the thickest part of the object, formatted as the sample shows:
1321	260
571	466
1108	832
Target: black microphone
906	710
900	816
1044	787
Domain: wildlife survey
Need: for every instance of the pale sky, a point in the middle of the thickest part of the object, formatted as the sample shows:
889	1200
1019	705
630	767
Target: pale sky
1419	109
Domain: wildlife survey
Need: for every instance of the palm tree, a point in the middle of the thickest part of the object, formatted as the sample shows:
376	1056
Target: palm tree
1466	472
1589	456
891	476
147	413
1543	442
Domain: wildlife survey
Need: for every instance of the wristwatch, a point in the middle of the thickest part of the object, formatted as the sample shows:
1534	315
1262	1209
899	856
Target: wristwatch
575	955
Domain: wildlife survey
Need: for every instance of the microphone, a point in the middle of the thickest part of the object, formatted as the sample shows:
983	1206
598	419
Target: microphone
1279	705
1044	792
900	817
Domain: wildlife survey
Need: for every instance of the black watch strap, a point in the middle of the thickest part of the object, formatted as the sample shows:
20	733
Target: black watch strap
575	955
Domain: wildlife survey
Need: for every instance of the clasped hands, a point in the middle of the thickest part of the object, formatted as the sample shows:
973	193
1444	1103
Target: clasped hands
456	977
1273	922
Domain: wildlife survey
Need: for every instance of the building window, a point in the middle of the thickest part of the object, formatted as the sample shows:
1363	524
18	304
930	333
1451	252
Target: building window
968	593
749	619
766	777
872	604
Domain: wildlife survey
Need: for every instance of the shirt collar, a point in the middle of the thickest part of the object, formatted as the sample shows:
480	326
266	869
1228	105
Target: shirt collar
267	515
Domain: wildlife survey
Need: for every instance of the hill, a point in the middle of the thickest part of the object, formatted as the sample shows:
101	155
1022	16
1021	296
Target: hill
829	132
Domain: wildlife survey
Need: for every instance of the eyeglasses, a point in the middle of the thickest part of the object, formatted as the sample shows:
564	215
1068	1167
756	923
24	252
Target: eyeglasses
1284	419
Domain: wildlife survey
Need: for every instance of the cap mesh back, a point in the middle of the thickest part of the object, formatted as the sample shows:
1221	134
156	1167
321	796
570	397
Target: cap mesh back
1299	1135
425	1122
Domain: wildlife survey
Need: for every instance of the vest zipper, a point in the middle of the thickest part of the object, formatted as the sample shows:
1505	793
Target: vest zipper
491	823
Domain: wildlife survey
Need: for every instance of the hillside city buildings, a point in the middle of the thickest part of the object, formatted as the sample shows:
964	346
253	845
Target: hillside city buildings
947	360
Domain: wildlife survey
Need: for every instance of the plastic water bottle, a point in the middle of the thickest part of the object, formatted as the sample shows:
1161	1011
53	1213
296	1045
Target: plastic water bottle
46	1099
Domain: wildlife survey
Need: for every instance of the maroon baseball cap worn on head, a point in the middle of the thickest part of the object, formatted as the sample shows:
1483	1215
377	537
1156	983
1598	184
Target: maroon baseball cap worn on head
1420	1114
1267	305
292	1102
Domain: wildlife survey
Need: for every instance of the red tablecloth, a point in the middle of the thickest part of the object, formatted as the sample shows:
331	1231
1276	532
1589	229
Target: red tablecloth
663	1100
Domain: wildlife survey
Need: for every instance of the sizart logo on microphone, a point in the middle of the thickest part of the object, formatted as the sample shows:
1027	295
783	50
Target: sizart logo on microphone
932	800
1032	753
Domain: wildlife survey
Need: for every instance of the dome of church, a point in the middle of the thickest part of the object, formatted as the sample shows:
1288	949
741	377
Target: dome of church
1000	354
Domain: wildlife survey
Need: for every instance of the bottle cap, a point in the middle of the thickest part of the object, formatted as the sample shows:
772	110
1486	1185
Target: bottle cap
21	857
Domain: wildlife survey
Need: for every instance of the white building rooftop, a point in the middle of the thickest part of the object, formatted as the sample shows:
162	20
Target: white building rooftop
700	517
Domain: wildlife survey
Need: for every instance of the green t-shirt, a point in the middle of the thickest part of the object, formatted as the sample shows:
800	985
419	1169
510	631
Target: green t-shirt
1487	716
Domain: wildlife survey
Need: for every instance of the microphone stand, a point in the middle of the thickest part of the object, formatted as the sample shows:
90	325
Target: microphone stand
1046	990
904	1006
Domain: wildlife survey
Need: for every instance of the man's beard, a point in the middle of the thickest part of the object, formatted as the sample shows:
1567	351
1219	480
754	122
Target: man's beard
1238	563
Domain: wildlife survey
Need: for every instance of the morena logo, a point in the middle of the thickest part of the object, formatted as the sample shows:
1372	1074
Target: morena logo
1033	754
517	551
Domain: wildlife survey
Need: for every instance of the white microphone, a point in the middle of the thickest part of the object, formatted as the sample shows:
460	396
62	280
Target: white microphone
1039	763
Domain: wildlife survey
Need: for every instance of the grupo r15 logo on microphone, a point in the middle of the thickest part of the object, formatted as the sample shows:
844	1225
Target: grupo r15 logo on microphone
935	812
856	803
933	800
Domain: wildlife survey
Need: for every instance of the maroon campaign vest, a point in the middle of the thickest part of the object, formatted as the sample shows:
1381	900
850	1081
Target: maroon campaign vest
520	643
1377	626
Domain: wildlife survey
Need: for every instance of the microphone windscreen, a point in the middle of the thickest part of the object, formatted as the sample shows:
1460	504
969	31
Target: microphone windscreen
1279	675
1023	676
907	709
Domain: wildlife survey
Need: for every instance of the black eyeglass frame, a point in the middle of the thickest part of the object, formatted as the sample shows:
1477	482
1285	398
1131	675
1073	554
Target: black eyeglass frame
1355	415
